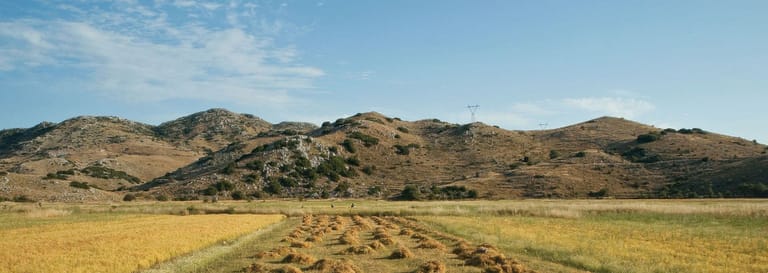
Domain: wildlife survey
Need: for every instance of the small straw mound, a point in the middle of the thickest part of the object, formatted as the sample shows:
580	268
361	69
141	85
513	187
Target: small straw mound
299	258
287	269
431	267
387	241
301	244
347	239
256	268
406	232
401	253
485	260
335	266
431	244
376	245
315	238
463	250
358	250
275	252
296	234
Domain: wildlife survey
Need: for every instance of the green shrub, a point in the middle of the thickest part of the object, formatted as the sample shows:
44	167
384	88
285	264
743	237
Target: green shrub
23	199
287	182
129	197
302	162
55	176
342	187
646	138
403	129
367	140
640	155
79	185
349	146
580	154
374	190
229	169
224	186
353	161
334	167
553	154
162	198
369	169
250	178
405	149
597	194
238	195
107	173
691	131
410	192
273	187
256	165
211	190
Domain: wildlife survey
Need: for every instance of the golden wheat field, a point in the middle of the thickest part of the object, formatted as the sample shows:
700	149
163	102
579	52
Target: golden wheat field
59	242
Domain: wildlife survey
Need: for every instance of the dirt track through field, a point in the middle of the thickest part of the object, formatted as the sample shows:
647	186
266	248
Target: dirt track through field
342	244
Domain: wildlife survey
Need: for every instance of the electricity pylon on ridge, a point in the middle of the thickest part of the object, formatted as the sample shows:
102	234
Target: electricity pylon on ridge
473	110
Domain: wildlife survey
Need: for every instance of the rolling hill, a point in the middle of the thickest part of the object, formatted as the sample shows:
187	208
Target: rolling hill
220	154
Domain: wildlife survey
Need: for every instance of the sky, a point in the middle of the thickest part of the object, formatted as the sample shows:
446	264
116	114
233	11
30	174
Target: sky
529	64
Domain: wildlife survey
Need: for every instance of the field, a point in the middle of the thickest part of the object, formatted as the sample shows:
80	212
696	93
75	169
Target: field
57	241
335	236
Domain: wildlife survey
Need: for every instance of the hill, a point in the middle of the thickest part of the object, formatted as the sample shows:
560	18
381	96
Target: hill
97	158
220	154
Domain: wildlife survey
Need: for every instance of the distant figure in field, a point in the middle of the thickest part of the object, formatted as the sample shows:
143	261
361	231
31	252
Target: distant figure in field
331	205
353	205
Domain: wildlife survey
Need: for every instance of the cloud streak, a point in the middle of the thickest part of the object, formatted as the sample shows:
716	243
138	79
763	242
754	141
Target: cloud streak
612	106
140	56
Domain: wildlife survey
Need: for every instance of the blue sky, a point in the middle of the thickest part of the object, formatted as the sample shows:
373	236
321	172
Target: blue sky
666	63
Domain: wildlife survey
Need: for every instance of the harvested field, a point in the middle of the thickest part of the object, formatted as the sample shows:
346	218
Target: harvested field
482	236
130	243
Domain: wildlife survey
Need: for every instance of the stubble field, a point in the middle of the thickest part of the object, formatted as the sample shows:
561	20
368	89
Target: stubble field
377	236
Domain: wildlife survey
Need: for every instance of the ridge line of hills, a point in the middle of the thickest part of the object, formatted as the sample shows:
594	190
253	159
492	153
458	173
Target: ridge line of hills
220	154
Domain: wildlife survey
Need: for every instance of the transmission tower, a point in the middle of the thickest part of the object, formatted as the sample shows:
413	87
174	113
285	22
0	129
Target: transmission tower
473	110
544	125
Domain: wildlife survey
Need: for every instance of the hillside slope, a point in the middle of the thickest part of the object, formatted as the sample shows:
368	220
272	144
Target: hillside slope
220	154
371	155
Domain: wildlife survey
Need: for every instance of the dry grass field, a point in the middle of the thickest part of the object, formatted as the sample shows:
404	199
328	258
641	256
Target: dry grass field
58	241
377	236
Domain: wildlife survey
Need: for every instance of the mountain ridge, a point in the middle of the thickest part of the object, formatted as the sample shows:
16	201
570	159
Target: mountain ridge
218	153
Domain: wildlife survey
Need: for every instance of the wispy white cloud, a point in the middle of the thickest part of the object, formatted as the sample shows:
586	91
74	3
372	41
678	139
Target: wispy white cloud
137	54
612	106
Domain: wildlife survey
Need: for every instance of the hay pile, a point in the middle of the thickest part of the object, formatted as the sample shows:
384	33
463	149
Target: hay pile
358	250
275	252
431	267
431	244
335	266
301	244
401	253
256	268
299	258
